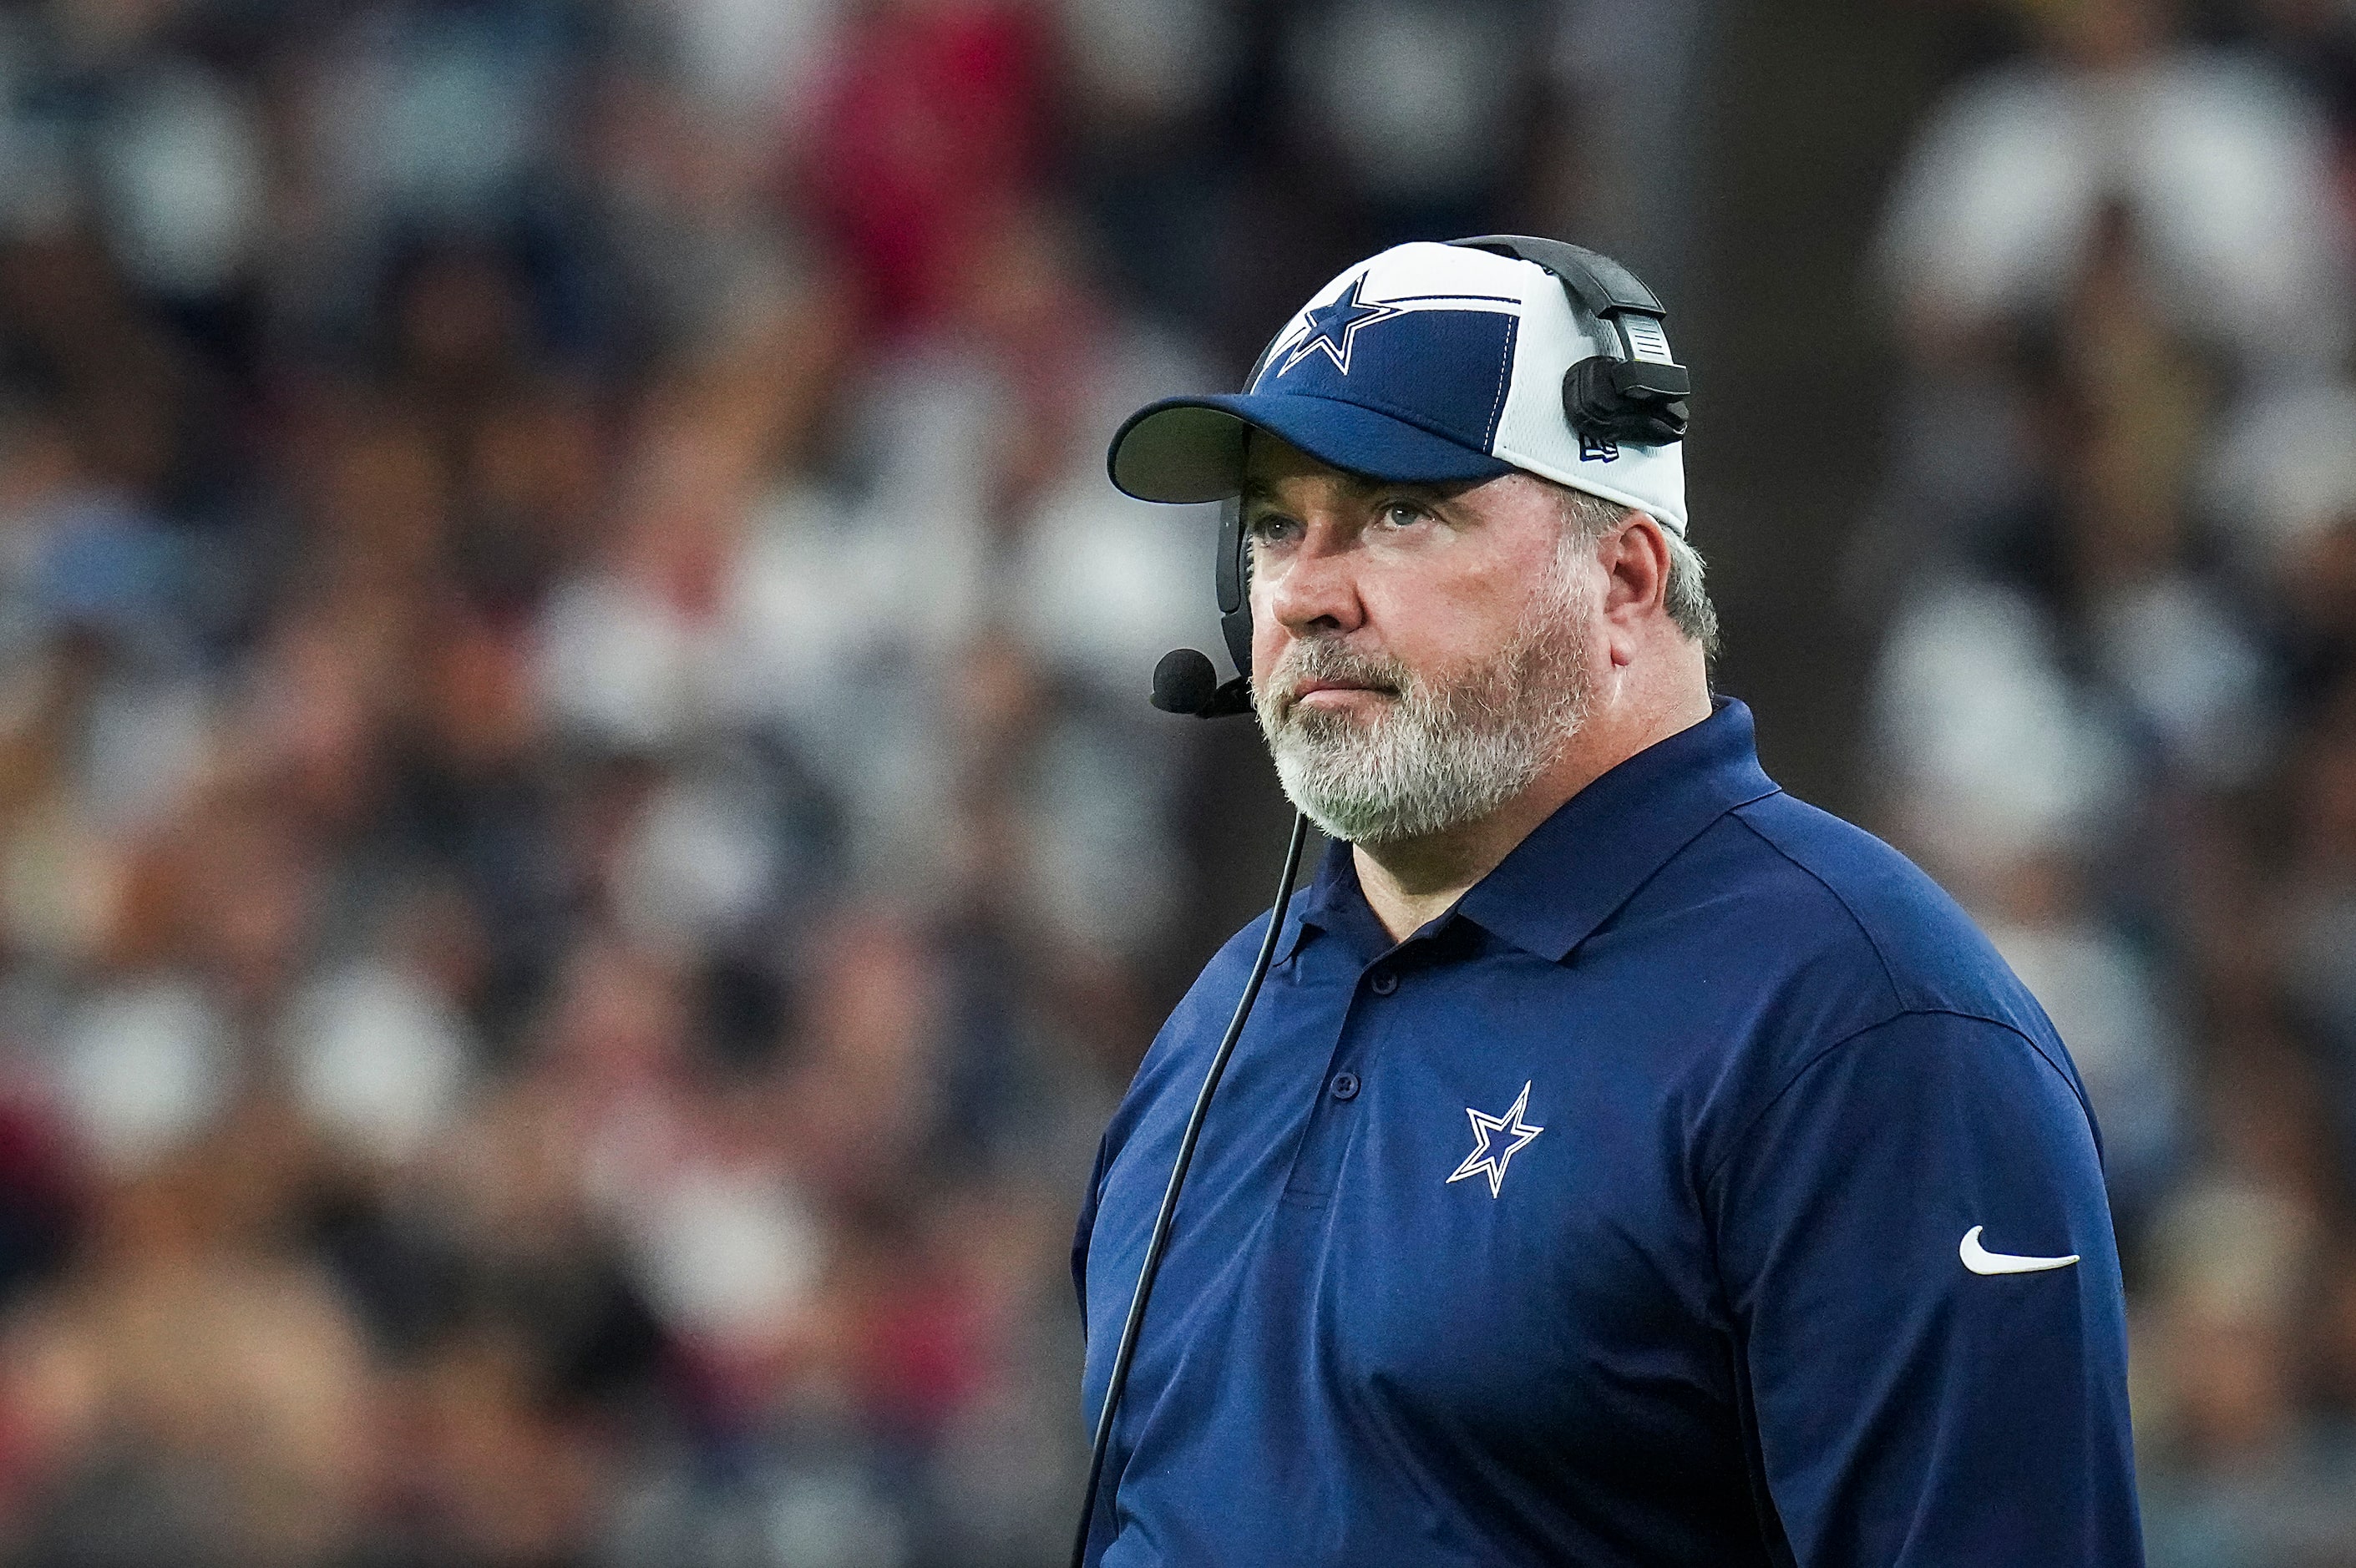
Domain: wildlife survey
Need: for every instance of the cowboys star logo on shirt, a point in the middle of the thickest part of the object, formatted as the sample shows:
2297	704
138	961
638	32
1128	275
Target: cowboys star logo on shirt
1496	1140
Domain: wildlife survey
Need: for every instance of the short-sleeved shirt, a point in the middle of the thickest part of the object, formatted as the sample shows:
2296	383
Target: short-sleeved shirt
1702	1190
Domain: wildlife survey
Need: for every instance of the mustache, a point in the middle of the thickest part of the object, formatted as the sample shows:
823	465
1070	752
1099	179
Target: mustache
1329	661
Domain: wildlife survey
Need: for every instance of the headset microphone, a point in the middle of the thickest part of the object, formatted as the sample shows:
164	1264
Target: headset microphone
1185	682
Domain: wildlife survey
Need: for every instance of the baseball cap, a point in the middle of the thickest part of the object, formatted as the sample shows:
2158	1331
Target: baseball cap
1426	364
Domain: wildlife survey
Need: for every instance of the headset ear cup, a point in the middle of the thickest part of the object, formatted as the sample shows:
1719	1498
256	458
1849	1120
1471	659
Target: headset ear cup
1626	400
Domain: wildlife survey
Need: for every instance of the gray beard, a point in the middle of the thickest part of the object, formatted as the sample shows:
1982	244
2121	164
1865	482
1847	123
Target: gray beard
1441	753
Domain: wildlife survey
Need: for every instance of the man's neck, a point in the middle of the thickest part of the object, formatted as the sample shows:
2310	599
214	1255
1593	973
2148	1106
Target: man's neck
1412	881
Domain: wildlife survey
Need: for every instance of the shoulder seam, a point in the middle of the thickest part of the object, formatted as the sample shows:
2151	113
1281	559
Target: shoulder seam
1888	975
1897	993
1735	1143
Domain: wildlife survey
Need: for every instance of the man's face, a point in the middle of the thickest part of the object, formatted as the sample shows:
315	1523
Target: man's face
1419	654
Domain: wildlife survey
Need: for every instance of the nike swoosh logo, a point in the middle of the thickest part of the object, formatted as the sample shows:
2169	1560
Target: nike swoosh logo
1979	1260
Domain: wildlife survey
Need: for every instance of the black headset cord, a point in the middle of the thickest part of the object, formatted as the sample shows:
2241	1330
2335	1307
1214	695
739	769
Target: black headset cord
1118	1383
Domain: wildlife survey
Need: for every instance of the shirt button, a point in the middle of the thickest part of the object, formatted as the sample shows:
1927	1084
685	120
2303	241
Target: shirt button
1345	1087
1384	983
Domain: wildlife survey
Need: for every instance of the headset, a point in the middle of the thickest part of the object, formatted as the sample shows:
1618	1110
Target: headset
1636	395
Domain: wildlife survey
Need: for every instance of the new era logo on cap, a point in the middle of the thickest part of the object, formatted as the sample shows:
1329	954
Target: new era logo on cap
1429	363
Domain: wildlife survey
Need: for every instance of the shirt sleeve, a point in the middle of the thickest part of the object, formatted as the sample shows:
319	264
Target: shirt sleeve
1927	1383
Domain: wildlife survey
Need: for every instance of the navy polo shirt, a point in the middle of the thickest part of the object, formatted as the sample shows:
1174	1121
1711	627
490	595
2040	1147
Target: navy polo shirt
1693	1193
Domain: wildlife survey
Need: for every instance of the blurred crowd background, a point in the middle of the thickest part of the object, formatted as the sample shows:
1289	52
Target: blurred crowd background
582	855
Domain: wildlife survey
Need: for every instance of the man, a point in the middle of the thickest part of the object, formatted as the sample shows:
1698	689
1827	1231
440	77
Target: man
1626	1163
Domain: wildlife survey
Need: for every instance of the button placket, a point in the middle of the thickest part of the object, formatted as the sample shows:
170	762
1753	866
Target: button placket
1325	1140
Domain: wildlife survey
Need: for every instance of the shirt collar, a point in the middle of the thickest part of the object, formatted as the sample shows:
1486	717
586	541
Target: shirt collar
1332	903
1583	862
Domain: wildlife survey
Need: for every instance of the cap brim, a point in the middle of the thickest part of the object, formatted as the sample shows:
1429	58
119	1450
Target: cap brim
1192	449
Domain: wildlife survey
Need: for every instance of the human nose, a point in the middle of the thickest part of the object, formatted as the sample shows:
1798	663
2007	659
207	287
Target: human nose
1313	591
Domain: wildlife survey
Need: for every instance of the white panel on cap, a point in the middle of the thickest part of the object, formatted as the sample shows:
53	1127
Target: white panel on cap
1423	268
1534	433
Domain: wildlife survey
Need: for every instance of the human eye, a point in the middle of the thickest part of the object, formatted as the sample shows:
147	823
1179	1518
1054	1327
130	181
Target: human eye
1270	527
1400	512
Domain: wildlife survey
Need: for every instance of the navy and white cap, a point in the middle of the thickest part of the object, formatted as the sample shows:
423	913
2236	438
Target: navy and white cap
1426	364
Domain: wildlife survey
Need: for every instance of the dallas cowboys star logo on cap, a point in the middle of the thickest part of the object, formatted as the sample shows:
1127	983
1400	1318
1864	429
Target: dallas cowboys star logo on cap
1498	1140
1333	328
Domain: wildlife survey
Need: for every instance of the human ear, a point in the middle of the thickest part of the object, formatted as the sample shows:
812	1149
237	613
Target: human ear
1635	562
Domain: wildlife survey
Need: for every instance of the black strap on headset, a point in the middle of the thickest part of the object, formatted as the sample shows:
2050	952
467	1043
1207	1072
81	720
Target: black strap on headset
1592	278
